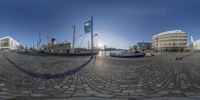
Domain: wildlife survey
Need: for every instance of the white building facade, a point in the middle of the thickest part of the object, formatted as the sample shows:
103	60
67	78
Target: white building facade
196	45
8	43
174	40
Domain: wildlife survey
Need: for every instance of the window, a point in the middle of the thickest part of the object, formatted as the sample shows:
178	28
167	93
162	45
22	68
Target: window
5	42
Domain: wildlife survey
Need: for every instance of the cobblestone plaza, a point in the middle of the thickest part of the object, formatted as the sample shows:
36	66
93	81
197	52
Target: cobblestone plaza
23	75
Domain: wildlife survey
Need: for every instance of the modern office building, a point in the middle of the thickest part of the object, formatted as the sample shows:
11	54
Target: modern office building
8	43
196	45
143	46
170	41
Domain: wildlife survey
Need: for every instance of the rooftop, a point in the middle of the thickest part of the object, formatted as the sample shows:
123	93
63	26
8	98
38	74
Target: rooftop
169	32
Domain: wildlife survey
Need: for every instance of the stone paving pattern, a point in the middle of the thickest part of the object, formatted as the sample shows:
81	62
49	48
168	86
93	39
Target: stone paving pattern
159	76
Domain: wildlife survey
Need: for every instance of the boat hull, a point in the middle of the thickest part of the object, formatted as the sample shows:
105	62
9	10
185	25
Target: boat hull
128	56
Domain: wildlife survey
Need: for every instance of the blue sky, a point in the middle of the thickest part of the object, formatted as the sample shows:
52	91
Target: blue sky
119	23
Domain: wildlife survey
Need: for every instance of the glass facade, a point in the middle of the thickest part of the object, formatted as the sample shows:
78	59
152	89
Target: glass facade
4	43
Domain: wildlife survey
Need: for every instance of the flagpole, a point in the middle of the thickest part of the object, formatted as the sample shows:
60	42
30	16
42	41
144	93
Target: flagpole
48	42
91	36
74	30
39	40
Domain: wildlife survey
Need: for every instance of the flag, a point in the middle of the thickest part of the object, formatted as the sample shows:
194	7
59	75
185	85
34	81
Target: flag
87	26
74	28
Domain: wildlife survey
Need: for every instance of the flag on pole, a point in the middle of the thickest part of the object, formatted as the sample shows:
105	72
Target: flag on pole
87	27
73	28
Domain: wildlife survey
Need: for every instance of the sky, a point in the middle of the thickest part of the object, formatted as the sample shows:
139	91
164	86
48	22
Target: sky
118	23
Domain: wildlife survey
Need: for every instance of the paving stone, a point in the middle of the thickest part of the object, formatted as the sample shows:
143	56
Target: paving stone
104	95
37	95
139	90
124	86
176	91
106	77
158	85
163	92
71	89
189	93
65	87
4	93
6	97
56	87
25	92
118	91
92	92
88	88
139	85
40	88
128	91
2	84
81	94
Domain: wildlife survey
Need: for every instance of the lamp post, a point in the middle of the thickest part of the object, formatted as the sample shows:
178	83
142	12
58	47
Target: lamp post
88	26
93	47
94	37
74	32
0	45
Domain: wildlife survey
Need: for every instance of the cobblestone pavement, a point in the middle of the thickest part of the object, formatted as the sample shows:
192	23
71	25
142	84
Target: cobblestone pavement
154	77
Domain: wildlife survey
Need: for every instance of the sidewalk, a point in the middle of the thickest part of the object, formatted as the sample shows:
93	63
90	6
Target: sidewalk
96	98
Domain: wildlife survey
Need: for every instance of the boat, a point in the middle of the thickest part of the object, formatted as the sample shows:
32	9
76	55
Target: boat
128	54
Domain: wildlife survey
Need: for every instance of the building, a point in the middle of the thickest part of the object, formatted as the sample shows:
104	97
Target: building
8	43
60	48
196	45
175	40
143	46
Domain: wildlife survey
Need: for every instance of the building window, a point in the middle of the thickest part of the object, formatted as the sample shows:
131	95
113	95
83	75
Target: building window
5	42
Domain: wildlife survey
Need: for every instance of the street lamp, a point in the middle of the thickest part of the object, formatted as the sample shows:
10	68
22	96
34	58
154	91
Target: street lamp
95	35
0	44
